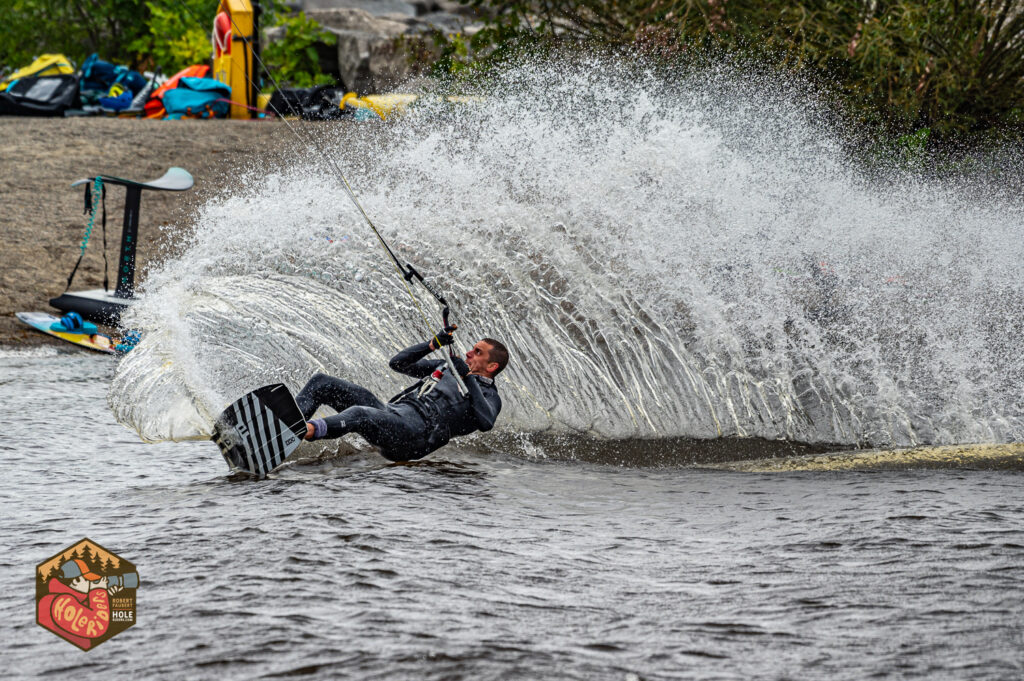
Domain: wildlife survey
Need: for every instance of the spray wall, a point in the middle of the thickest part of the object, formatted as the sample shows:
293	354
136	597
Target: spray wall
682	255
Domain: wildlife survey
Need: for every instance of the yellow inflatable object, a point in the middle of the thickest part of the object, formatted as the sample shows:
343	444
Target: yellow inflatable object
233	62
45	65
388	105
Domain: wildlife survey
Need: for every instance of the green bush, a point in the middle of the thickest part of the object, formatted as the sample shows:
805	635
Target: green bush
173	38
956	68
294	60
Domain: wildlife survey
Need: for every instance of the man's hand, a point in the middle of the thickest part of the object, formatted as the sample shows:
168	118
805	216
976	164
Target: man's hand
114	589
460	366
444	336
100	583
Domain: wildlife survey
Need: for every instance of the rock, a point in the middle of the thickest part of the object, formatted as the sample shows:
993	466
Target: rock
417	8
372	54
374	7
455	7
359	20
369	55
274	34
440	21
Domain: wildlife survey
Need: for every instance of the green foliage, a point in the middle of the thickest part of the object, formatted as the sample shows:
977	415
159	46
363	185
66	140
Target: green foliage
454	56
915	142
174	39
33	27
951	66
913	146
134	32
501	37
294	59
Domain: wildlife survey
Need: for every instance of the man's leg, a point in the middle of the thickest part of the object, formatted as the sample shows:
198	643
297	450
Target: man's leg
336	393
394	433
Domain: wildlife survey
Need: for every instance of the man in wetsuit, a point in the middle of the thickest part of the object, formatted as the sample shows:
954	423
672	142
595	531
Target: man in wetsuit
424	416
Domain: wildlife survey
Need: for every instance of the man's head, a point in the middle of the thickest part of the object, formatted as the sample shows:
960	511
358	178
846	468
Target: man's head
487	357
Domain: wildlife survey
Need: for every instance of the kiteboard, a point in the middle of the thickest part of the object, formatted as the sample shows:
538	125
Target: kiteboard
43	321
260	430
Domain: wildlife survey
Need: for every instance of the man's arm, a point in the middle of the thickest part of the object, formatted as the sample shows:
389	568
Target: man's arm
411	363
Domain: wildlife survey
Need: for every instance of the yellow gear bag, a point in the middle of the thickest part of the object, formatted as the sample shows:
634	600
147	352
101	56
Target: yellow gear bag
44	65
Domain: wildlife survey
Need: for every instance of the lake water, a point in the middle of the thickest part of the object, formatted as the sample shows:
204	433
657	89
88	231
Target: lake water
689	268
492	565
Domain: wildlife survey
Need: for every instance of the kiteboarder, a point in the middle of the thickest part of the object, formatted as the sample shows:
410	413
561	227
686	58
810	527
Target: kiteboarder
424	416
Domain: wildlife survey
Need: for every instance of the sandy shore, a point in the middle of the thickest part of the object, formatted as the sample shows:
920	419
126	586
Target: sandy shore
41	218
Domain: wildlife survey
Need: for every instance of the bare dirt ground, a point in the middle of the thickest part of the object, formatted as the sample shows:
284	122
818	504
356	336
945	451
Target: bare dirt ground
41	218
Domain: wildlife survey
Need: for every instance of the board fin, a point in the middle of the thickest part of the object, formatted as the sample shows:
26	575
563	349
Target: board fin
261	429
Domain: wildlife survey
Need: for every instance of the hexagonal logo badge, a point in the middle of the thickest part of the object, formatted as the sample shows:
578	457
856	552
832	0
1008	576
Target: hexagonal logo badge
86	594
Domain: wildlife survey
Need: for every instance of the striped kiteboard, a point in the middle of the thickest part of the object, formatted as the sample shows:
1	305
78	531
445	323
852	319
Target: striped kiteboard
260	430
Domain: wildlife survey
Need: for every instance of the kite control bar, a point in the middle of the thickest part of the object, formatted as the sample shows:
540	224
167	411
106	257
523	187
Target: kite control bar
410	273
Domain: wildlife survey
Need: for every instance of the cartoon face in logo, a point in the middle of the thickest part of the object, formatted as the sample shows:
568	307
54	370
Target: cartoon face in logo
86	594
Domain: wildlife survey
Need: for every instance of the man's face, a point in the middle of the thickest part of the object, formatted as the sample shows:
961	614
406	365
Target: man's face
478	359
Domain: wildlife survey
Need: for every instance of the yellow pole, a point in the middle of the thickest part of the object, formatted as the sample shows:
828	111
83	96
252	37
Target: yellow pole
233	62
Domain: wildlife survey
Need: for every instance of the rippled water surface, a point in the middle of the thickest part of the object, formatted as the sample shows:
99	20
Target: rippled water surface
486	566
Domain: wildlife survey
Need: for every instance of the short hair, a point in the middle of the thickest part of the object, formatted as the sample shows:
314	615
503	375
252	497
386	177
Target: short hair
498	353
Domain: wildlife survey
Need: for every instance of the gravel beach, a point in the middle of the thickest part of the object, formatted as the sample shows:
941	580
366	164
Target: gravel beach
42	220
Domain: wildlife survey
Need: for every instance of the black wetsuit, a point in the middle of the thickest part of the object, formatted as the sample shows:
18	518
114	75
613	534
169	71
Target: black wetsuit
415	422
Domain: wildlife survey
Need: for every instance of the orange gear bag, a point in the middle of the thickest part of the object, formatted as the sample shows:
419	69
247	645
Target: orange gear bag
155	106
